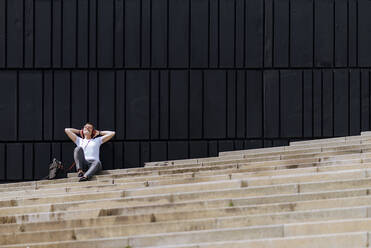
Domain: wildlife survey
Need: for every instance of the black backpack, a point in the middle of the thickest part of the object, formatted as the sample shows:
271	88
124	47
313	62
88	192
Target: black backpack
57	170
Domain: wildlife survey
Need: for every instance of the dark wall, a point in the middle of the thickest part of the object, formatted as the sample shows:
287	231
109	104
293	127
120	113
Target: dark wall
178	78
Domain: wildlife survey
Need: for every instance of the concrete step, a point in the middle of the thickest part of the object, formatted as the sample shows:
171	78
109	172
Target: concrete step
107	179
220	235
203	223
352	207
342	240
36	185
269	155
171	186
21	213
294	175
299	147
266	152
114	207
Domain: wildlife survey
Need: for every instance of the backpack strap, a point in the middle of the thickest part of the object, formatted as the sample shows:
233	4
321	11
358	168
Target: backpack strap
72	165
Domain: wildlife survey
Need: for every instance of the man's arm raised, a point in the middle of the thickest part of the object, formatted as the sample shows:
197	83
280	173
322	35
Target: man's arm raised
71	133
106	135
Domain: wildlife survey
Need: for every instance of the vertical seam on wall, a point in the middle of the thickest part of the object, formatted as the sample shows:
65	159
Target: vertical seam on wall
273	32
24	33
348	100
123	32
203	104
302	104
348	33
88	45
244	34
235	72
189	36
51	33
360	128
114	37
189	112
150	113
33	36
5	38
76	35
115	99
5	161
263	36
70	83
218	34
167	34
159	105
140	32
279	105
245	92
334	35
23	160
357	34
208	37
188	106
369	99
168	103
52	74
263	103
150	34
333	103
226	101
17	105
312	97
125	98
289	40
96	34
42	104
235	30
61	34
314	64
321	103
87	95
98	82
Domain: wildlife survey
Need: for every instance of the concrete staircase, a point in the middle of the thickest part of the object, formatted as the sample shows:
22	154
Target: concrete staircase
309	194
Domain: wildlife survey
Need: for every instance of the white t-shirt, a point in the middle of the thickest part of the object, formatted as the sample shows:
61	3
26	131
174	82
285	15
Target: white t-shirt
90	147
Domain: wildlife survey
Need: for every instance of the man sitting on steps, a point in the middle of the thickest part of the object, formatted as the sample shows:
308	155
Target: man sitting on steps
86	153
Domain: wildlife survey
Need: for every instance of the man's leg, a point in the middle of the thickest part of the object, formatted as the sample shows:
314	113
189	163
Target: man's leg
79	158
94	167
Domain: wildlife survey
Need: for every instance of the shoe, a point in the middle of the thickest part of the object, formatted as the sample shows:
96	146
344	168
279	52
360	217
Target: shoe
80	174
83	179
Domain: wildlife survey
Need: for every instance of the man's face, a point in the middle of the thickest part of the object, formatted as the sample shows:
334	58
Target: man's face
88	129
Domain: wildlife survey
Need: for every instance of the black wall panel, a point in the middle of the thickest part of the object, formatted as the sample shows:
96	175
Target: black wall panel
199	39
301	32
215	104
43	31
30	105
14	33
178	79
291	103
324	40
179	86
69	34
137	105
2	33
8	105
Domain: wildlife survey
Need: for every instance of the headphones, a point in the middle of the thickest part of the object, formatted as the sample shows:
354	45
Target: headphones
92	133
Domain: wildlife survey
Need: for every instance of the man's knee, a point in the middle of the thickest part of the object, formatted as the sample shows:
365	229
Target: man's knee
77	149
98	165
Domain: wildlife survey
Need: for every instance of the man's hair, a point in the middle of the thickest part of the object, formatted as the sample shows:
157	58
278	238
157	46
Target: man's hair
88	123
